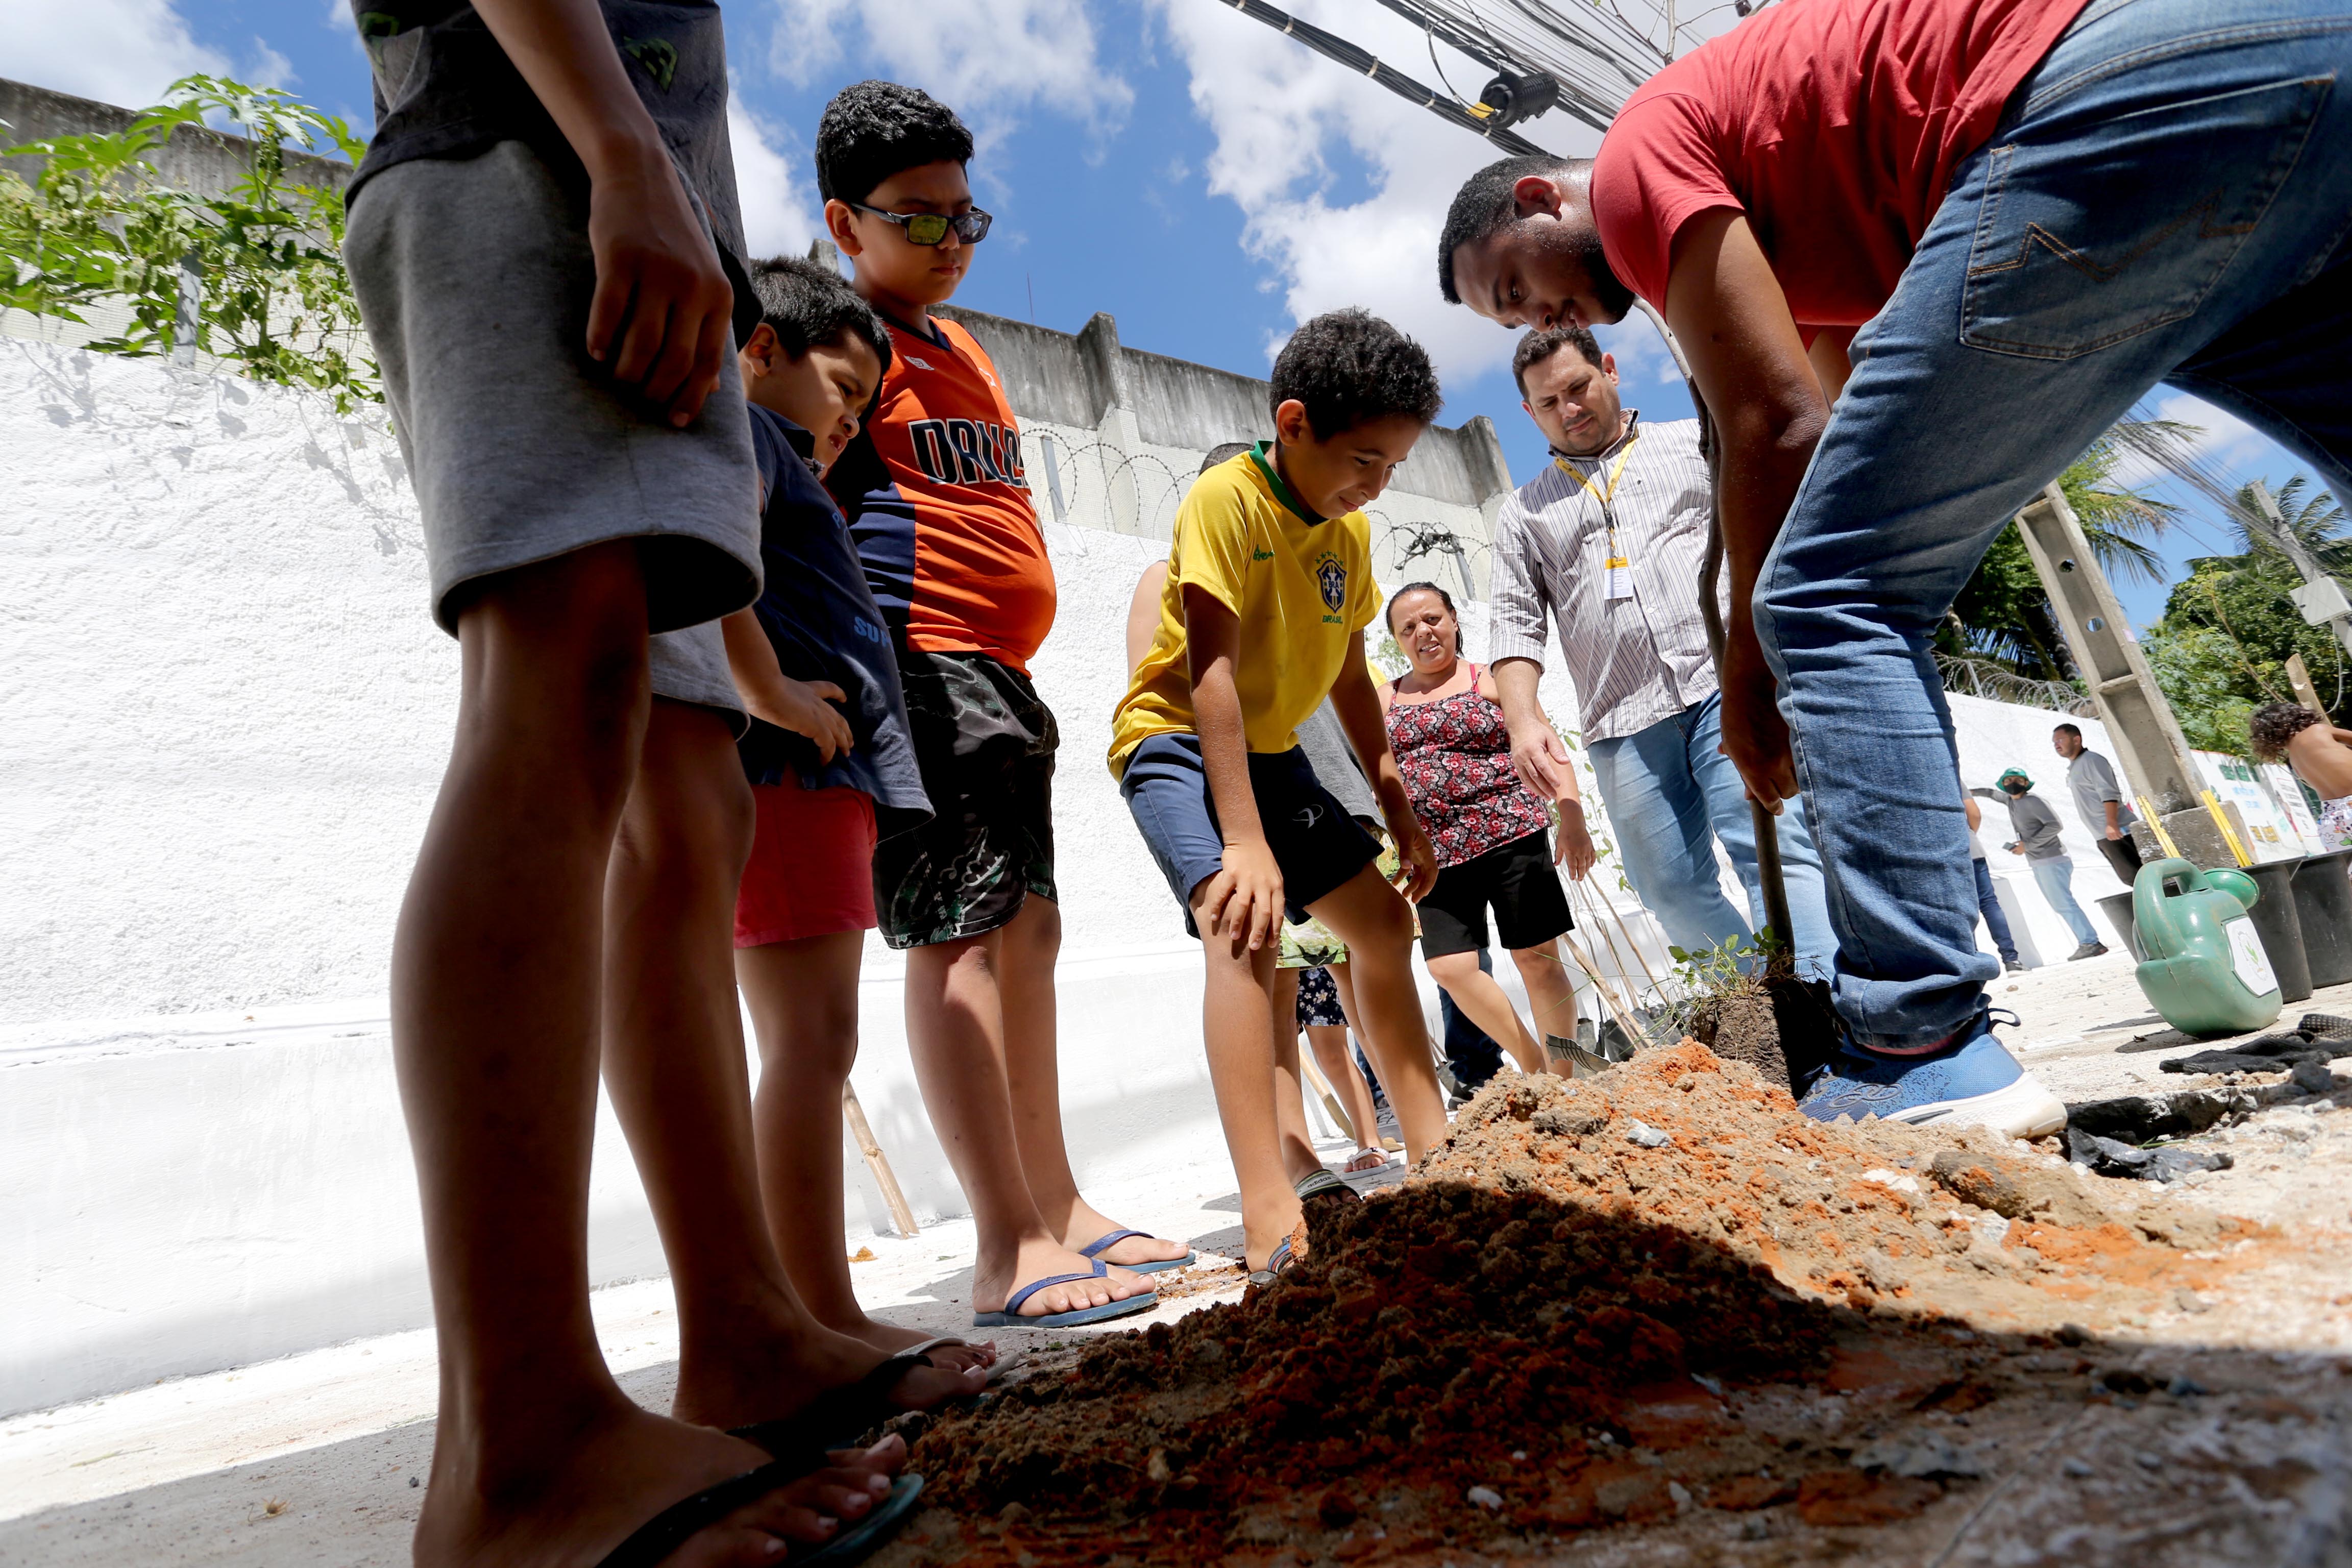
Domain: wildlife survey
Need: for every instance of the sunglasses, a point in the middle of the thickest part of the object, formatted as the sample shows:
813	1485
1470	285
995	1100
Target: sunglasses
929	228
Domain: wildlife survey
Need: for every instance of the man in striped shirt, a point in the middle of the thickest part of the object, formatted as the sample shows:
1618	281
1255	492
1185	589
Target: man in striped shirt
1609	540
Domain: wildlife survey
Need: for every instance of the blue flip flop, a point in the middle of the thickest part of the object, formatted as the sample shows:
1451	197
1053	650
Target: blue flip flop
1011	1316
1095	1248
1277	1263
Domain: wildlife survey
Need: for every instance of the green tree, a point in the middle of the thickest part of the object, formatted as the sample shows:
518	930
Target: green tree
2221	647
262	261
2003	614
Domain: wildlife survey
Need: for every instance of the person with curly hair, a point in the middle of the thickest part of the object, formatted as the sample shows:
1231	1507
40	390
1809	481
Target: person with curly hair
2320	754
1268	591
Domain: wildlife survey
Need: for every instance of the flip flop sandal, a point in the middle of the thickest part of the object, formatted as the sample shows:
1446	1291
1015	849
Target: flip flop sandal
1102	1245
1278	1263
1006	1360
652	1542
845	1414
1011	1316
1380	1162
1322	1187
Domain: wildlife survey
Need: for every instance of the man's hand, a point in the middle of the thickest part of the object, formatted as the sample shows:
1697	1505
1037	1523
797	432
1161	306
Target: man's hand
1755	736
2114	832
662	315
1243	899
807	707
1541	758
1572	846
1417	861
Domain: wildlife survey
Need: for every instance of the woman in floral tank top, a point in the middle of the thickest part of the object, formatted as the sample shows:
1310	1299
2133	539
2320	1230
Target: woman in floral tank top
1455	752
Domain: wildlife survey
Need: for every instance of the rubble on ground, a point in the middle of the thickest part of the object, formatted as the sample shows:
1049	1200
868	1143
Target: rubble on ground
1658	1303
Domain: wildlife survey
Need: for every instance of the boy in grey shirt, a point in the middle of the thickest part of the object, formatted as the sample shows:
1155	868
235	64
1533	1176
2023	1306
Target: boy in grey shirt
2054	870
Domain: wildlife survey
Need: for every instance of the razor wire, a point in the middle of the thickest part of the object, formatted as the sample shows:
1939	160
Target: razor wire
1992	682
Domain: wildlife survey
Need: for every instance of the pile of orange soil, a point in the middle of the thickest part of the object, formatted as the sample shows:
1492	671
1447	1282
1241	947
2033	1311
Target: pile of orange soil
1572	1316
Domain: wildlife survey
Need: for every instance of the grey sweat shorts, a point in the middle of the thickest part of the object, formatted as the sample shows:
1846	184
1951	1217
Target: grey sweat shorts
690	666
474	277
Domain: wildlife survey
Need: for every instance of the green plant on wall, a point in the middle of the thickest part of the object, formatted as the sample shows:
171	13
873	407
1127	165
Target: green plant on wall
252	275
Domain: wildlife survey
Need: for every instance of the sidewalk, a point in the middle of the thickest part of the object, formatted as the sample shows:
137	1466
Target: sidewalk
313	1459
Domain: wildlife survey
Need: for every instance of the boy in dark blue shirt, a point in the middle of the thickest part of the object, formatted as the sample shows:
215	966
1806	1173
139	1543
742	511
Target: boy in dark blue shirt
832	769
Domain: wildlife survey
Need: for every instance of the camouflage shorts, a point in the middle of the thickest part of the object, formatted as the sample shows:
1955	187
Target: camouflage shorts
985	740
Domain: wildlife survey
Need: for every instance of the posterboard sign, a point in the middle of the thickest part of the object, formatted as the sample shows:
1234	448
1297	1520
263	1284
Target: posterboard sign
2270	834
2287	793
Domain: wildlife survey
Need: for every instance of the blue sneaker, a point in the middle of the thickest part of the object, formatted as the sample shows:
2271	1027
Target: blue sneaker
1971	1082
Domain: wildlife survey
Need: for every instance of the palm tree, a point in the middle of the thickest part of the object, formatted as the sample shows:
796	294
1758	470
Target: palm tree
2003	614
2121	520
2318	522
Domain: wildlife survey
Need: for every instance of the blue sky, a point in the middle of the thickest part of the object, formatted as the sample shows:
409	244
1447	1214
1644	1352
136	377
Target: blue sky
1203	180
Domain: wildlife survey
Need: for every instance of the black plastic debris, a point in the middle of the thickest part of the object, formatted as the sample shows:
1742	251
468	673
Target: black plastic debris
2106	1157
2267	1053
2144	1118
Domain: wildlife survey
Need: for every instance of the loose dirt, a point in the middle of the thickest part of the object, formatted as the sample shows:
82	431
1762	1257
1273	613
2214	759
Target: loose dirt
1660	1316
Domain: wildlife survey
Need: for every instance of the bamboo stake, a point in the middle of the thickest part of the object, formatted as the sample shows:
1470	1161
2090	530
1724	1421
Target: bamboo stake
1615	1003
875	1160
1330	1102
1615	957
1647	973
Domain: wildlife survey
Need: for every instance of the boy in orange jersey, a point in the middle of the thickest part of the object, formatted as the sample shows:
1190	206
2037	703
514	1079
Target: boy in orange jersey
939	506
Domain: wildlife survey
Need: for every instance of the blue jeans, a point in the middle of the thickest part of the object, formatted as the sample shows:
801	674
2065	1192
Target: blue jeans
1995	919
2056	881
1670	792
2165	198
1470	1051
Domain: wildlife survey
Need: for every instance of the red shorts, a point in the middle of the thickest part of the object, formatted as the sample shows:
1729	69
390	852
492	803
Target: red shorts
812	867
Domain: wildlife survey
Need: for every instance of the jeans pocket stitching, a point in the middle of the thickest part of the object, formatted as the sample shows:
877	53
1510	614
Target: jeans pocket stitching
2287	152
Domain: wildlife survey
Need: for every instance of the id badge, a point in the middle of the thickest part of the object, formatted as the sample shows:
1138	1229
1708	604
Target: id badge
1617	583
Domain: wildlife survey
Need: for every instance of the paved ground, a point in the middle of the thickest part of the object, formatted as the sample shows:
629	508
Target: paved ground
311	1460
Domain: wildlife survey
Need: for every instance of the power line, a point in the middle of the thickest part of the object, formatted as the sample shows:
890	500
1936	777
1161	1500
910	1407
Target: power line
1363	62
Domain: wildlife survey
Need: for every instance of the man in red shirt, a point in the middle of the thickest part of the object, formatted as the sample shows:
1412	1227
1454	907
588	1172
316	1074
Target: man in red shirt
1982	229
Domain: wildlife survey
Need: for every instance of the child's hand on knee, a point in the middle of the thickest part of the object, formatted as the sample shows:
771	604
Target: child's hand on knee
1245	898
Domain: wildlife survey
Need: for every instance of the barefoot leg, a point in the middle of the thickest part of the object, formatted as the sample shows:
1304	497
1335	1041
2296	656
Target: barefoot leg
538	1455
802	997
956	1027
1237	1027
1375	922
1489	1005
1032	1073
673	1062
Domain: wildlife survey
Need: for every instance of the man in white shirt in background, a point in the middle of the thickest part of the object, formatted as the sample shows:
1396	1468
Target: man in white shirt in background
1609	541
2099	801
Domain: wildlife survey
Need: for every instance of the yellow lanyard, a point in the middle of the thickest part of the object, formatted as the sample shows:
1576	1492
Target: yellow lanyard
1607	496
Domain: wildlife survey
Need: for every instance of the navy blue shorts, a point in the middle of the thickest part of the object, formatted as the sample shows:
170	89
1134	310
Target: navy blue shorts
1316	844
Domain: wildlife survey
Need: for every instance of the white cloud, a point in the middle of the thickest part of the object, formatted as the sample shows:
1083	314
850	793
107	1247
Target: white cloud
265	67
123	52
778	218
1286	124
991	61
2223	440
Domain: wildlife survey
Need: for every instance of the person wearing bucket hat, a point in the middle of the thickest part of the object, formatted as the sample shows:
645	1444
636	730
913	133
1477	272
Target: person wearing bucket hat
2053	869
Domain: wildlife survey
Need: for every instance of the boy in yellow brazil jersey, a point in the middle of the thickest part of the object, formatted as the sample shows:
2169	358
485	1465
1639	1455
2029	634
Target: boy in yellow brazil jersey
1268	592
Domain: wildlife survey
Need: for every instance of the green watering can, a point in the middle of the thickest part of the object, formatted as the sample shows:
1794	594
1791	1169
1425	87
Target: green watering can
2204	966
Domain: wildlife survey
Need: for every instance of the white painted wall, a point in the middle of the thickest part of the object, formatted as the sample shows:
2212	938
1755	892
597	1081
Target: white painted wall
225	718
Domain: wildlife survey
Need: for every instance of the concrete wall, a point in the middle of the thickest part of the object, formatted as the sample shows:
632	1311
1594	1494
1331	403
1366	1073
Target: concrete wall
227	715
197	159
